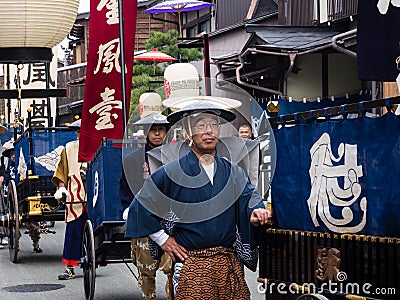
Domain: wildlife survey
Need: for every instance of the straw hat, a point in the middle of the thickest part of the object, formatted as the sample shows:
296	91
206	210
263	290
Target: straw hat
75	125
3	129
154	118
176	103
201	106
8	148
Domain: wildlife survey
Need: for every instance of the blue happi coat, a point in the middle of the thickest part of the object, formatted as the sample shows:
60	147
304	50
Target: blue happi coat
180	199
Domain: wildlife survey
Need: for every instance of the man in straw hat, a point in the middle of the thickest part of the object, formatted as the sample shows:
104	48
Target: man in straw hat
201	210
135	171
69	180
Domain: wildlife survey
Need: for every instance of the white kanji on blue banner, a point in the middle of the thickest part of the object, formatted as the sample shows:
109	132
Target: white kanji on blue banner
325	170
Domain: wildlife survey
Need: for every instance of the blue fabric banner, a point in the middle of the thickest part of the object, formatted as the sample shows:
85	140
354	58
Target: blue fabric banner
46	146
22	163
9	135
287	107
339	176
378	39
102	186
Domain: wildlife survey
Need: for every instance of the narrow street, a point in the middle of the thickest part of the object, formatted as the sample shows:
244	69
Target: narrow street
35	276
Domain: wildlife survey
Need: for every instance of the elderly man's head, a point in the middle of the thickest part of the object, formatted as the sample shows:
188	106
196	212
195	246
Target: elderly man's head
202	121
204	131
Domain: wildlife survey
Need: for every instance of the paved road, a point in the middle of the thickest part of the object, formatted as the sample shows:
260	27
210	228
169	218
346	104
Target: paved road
39	271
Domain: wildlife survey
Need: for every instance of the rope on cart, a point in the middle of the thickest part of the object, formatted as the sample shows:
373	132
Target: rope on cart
17	81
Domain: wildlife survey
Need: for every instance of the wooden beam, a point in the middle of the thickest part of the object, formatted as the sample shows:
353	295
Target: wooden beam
33	93
333	111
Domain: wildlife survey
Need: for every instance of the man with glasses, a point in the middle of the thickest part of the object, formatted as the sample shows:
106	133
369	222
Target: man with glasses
201	209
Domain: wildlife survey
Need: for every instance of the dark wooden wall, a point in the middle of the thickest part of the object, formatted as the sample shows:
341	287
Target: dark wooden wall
231	12
145	24
74	81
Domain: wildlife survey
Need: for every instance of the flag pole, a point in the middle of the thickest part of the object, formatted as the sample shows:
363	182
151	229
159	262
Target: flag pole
122	59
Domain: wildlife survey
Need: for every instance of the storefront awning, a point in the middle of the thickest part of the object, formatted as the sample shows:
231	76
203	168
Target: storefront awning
283	38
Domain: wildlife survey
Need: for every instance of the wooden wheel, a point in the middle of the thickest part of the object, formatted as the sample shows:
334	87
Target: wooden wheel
88	261
13	223
3	204
3	214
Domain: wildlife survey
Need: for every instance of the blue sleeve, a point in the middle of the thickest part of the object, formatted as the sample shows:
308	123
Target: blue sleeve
254	199
249	198
9	174
2	166
148	207
141	222
125	191
248	201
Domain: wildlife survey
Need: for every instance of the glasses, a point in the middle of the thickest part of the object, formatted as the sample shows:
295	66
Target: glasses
202	126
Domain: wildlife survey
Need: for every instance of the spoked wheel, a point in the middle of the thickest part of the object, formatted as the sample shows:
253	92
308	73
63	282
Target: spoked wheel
88	261
3	204
3	214
13	223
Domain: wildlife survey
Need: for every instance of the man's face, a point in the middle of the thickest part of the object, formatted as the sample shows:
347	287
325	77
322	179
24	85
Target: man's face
156	135
205	133
245	132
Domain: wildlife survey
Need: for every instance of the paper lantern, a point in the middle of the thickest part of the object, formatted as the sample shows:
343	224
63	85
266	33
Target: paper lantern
29	29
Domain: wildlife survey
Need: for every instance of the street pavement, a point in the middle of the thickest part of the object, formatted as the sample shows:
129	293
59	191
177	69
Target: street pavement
34	277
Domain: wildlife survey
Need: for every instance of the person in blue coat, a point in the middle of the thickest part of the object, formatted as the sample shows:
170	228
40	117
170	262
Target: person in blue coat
134	172
8	174
201	209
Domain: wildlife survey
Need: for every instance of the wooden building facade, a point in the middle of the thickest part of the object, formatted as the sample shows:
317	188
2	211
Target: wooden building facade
145	23
72	71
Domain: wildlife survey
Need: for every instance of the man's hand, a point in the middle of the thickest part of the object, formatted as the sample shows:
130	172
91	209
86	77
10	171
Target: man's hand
174	249
59	194
260	216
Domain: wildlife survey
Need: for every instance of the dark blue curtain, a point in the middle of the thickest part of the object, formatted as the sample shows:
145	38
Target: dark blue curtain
5	137
102	186
339	176
44	145
378	41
